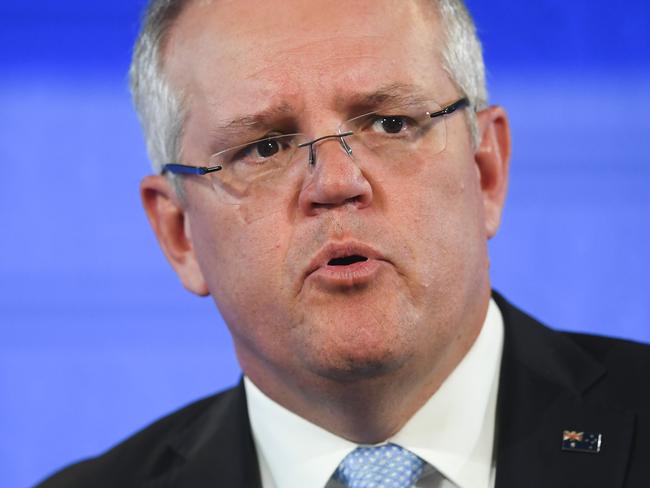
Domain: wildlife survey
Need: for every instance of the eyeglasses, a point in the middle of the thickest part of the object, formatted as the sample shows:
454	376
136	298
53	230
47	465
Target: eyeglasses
389	136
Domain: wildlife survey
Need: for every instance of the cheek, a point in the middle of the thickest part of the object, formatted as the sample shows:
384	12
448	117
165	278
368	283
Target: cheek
438	218
247	256
241	261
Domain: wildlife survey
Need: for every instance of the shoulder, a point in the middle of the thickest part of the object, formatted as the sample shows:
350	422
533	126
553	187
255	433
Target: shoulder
613	351
627	366
604	368
152	449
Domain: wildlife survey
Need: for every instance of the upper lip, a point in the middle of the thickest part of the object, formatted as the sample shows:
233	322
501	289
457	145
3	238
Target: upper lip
333	250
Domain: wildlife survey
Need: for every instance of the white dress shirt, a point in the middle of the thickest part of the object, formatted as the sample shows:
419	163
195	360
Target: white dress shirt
453	431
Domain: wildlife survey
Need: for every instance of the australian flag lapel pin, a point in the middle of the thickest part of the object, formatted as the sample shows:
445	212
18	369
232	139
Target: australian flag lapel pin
576	441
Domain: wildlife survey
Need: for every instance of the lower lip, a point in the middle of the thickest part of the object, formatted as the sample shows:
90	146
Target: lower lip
348	276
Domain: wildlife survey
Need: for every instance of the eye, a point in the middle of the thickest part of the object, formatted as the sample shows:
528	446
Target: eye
390	125
267	148
393	125
263	151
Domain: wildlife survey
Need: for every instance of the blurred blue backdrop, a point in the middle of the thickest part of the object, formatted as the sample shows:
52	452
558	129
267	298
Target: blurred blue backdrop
97	337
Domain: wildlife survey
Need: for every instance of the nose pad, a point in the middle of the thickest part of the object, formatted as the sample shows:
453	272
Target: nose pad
346	147
310	145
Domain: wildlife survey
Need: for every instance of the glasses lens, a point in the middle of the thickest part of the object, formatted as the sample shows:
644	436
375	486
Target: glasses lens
393	135
255	166
401	136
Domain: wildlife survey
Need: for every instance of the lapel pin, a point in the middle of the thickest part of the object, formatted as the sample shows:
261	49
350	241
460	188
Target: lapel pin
575	441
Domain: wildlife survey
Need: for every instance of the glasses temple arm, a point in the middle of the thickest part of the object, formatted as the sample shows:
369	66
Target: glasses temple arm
462	103
183	169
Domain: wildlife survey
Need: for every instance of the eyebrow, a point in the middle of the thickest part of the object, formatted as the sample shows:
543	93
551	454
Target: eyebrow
263	119
390	94
394	93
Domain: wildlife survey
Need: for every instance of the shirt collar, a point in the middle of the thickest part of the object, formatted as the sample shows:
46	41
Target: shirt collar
453	431
293	451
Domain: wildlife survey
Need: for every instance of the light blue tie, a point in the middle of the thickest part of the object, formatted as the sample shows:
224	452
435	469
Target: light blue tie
387	466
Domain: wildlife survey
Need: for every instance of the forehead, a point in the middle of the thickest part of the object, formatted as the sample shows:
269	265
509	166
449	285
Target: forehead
230	55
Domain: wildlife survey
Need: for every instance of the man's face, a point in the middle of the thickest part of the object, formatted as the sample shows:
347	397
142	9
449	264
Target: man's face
421	224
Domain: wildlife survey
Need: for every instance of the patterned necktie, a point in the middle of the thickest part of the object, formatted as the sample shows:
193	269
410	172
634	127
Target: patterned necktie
387	466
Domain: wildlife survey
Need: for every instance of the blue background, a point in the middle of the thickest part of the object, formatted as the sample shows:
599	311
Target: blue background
97	337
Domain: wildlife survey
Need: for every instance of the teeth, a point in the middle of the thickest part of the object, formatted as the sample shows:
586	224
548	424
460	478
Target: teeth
347	260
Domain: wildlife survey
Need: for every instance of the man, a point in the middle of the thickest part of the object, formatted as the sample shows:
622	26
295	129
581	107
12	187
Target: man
331	175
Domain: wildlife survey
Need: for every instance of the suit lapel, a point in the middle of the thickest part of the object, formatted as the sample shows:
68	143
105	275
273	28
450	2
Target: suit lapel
547	386
215	450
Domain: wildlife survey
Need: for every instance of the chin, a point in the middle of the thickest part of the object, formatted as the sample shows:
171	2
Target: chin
356	370
367	337
357	360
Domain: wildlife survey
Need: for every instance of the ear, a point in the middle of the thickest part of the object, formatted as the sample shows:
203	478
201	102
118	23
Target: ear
170	223
493	160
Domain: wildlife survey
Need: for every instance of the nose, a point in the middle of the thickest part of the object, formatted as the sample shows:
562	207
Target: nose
334	180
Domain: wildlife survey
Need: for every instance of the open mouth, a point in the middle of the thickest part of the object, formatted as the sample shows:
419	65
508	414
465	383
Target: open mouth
345	264
347	260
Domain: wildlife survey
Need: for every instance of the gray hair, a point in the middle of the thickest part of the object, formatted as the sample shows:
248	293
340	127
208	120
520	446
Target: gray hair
161	110
159	107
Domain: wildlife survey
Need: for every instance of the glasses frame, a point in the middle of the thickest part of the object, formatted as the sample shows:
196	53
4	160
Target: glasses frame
184	169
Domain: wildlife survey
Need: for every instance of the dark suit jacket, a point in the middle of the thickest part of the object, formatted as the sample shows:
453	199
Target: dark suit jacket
550	382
